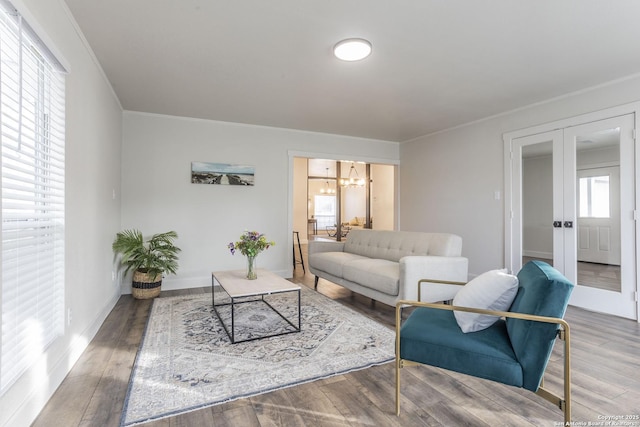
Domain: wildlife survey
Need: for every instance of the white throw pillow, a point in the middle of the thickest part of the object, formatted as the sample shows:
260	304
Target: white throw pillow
493	290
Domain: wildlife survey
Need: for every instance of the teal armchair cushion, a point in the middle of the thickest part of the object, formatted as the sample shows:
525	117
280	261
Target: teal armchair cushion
433	337
543	291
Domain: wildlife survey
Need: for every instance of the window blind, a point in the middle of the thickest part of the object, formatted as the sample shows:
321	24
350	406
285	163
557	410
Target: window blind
32	179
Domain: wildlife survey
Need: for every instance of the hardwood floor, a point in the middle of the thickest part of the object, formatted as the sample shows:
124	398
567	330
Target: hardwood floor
605	368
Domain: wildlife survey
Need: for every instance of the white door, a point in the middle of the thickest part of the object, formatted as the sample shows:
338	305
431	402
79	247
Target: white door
536	170
572	204
603	155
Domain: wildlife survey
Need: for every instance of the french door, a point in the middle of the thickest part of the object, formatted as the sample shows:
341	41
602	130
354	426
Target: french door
573	205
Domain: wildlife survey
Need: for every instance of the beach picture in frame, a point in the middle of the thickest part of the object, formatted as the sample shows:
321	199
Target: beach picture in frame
221	174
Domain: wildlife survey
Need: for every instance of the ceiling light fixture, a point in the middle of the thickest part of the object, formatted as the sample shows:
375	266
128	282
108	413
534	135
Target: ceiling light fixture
352	181
352	49
327	189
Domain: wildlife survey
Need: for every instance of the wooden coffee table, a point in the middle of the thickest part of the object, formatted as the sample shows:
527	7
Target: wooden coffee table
242	290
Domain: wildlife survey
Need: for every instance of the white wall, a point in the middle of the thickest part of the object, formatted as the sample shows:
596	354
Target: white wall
93	145
383	209
158	196
448	180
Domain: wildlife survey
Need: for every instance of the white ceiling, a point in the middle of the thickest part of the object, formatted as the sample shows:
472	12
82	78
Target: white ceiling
435	64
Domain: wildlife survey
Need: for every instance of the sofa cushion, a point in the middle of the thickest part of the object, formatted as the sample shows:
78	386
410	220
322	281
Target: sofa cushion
432	336
332	262
493	290
378	274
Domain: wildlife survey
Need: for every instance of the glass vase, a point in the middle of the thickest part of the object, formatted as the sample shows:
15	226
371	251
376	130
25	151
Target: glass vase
252	272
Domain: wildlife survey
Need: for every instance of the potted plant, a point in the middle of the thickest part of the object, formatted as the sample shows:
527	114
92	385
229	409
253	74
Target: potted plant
148	260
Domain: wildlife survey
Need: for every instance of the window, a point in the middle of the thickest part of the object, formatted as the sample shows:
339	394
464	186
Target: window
325	210
594	197
32	176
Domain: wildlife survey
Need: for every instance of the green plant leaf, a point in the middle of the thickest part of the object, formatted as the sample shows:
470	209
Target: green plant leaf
157	255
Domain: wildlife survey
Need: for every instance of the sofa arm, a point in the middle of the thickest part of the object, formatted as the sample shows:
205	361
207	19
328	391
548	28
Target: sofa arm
415	268
316	246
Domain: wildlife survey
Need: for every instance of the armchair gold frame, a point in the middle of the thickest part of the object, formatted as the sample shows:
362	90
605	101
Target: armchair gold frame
563	403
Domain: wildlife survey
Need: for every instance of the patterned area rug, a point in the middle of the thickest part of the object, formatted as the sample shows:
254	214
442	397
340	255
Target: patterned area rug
186	361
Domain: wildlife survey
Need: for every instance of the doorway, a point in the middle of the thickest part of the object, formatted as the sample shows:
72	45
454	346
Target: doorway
331	197
572	204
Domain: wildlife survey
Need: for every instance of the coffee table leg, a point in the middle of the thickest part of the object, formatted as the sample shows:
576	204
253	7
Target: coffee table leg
299	316
215	310
233	328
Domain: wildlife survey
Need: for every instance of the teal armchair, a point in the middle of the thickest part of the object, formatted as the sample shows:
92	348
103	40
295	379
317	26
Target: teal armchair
514	351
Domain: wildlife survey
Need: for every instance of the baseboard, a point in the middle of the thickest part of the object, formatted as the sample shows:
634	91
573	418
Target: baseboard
537	254
174	284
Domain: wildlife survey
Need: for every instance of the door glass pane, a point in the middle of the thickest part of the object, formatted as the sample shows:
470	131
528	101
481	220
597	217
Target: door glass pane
598	203
537	202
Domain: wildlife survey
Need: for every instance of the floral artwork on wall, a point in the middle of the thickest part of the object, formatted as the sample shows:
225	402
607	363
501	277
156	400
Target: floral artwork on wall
221	174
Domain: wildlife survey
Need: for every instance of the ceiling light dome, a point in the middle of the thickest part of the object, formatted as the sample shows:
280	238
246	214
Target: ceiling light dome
352	49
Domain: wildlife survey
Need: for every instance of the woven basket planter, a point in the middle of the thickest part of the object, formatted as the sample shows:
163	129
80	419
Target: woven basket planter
145	285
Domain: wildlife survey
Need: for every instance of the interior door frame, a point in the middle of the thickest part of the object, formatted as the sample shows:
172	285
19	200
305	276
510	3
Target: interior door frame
511	238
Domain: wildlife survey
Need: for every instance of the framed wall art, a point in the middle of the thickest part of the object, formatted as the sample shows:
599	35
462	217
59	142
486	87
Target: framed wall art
222	174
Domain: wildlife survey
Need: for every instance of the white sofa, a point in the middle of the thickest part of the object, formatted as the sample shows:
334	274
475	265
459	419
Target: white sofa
387	265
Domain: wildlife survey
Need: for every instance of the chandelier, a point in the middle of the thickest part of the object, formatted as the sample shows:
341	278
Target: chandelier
352	181
327	189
